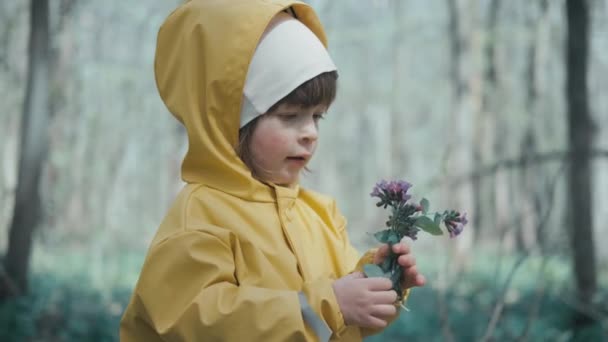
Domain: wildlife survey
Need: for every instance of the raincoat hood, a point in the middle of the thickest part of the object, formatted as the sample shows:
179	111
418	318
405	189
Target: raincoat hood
200	78
234	259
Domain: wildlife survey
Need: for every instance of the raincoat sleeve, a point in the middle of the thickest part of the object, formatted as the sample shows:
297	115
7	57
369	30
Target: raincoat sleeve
188	292
356	263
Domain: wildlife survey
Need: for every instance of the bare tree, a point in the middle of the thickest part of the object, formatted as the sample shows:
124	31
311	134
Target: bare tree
530	176
483	190
581	141
399	157
26	213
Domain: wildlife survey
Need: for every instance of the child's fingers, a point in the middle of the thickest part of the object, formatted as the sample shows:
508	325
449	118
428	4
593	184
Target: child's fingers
378	284
384	311
383	251
384	297
406	260
375	323
410	272
356	275
381	254
420	280
412	278
401	248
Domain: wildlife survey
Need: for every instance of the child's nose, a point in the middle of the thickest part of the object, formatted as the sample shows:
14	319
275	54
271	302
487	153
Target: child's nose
310	132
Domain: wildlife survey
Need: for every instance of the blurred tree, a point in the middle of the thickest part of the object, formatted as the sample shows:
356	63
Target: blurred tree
399	156
458	90
580	132
483	190
26	213
59	55
527	228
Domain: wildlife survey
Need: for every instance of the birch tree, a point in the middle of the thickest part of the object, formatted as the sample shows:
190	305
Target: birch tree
27	210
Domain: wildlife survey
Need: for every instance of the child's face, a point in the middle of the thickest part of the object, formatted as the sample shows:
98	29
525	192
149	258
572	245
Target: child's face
283	142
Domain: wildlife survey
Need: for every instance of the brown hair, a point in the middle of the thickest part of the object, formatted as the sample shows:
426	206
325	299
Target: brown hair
320	90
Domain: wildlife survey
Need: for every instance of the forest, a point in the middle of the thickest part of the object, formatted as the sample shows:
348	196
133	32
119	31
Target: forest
491	107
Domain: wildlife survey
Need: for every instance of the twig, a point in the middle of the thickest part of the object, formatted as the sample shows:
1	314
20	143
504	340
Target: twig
501	301
518	162
541	226
444	317
540	293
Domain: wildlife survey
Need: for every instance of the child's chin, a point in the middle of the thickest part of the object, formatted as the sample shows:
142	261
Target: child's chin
287	182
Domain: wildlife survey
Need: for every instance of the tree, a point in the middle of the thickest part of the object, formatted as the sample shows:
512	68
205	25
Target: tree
580	136
27	210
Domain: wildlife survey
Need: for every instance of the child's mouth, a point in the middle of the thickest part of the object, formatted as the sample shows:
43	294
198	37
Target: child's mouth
299	161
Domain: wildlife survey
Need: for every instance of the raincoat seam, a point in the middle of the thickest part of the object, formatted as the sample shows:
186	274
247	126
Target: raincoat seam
230	194
198	231
186	207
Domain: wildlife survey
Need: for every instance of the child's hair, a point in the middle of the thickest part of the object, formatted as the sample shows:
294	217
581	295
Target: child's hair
320	90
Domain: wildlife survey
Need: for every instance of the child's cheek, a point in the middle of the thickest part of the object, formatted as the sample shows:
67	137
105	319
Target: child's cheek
273	145
278	141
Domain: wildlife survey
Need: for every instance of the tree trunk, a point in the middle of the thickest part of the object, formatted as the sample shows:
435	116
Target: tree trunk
580	138
526	228
399	157
483	189
457	89
33	143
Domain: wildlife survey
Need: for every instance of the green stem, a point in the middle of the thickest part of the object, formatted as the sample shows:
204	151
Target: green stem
396	271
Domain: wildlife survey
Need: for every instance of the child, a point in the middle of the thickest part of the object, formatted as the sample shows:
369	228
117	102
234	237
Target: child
244	253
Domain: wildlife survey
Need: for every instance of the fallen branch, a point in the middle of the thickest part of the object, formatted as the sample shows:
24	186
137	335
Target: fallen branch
505	164
448	336
541	226
534	310
501	301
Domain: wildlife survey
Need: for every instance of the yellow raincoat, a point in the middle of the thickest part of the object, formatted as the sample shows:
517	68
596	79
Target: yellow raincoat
234	259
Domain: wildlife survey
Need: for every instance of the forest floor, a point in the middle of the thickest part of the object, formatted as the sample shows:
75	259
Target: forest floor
75	296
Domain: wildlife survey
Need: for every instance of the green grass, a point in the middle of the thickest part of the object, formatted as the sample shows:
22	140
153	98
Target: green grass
73	297
535	302
76	297
63	310
469	317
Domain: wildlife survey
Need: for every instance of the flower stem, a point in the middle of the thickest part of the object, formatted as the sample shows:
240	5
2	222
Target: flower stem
396	271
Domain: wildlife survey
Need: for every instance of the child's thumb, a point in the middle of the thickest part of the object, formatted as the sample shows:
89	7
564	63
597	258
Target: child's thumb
356	275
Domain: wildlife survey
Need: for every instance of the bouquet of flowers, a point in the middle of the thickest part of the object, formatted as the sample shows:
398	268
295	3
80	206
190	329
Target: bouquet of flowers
407	218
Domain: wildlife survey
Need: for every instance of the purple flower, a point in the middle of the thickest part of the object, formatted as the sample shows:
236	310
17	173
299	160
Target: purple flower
455	225
393	191
376	192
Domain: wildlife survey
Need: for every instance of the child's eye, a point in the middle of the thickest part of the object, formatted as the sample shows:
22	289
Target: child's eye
289	116
319	116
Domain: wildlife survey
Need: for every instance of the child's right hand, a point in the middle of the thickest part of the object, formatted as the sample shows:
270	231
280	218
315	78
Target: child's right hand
365	302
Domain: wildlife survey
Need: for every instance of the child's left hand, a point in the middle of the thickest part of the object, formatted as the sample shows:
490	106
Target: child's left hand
406	260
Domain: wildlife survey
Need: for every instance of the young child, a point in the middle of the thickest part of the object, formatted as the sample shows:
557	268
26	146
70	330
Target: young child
245	253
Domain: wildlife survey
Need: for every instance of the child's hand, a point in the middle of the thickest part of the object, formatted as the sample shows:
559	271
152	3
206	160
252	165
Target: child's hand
411	277
365	302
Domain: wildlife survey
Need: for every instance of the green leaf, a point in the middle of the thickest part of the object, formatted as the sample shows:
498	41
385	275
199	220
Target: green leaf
437	218
428	225
386	265
372	270
387	236
392	238
383	235
425	205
